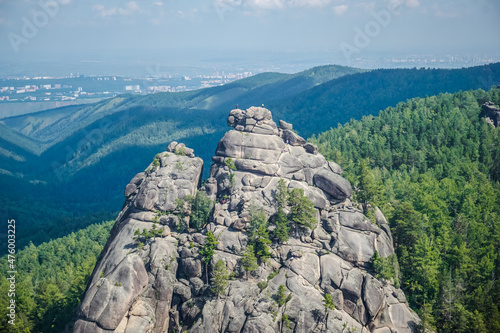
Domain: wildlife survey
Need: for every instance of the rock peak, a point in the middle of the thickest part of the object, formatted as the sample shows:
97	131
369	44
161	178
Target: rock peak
257	120
151	275
491	113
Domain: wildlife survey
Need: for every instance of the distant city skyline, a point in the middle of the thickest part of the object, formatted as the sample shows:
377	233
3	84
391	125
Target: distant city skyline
266	33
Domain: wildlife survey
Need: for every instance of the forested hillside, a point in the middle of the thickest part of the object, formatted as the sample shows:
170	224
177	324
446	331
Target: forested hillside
433	166
51	280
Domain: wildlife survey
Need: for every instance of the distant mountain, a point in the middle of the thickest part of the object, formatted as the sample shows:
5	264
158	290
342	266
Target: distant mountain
353	96
52	126
79	156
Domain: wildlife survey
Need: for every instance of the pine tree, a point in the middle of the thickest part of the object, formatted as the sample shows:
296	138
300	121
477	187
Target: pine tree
368	189
258	234
302	210
208	250
220	278
282	229
249	260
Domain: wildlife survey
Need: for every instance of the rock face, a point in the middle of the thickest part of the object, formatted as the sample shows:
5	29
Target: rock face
491	113
153	280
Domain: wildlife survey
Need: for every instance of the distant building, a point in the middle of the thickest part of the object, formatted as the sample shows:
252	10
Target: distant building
134	87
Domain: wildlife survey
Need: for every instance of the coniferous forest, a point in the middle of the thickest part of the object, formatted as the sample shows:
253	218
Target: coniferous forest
431	164
52	279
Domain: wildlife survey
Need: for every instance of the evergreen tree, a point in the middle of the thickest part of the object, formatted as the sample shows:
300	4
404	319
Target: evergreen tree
207	251
368	189
249	260
220	280
302	210
436	160
258	235
201	205
282	229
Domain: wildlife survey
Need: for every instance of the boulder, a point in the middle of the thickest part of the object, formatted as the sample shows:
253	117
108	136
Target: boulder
351	285
310	148
491	113
258	147
285	126
373	295
333	184
292	138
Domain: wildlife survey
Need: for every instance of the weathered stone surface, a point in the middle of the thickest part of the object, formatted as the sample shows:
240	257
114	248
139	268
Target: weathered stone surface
308	267
109	299
293	139
310	148
335	168
333	184
355	246
491	113
357	221
331	270
284	125
373	295
191	267
259	147
351	285
130	189
163	285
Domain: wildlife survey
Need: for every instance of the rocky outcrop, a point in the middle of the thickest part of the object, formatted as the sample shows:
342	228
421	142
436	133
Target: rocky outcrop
151	277
491	113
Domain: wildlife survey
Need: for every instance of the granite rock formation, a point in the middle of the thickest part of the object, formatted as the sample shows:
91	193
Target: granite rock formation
491	113
160	284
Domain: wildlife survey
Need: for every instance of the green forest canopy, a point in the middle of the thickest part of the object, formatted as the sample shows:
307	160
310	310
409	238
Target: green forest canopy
436	167
51	280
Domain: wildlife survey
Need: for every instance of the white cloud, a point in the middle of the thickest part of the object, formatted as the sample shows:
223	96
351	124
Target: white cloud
447	12
132	5
366	6
340	10
395	3
103	12
266	4
413	3
129	9
309	3
232	3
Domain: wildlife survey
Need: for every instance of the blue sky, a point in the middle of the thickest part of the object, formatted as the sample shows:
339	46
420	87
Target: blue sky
220	27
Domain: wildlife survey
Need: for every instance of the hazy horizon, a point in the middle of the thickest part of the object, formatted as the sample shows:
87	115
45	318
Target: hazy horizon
96	37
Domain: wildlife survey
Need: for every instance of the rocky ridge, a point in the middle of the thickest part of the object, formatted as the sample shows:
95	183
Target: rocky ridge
161	285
